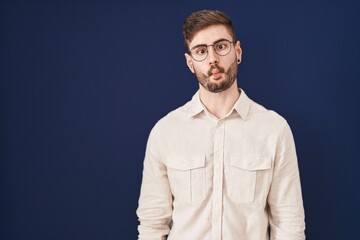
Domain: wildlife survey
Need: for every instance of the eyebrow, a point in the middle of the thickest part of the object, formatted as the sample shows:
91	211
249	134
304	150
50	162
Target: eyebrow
203	45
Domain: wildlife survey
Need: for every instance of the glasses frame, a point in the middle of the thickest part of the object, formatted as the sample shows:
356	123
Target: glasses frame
207	51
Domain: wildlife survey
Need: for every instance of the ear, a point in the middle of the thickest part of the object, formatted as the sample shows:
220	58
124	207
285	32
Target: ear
189	62
238	51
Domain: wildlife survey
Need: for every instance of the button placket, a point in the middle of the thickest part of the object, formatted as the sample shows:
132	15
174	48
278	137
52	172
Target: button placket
218	181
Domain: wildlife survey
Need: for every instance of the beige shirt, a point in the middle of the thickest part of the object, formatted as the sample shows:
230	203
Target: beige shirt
206	178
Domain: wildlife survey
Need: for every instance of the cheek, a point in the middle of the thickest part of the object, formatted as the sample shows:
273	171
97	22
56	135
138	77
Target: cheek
200	70
231	60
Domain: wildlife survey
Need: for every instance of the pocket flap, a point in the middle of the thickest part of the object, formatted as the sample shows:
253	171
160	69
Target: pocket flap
251	162
186	162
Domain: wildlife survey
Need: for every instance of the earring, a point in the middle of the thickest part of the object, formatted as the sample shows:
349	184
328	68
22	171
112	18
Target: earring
238	60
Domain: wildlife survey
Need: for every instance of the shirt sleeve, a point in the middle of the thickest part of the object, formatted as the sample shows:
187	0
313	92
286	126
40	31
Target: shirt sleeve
155	202
286	212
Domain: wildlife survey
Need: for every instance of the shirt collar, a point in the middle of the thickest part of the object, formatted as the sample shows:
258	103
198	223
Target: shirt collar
241	106
196	105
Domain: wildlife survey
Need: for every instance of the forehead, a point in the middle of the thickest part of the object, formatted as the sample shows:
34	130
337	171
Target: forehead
210	34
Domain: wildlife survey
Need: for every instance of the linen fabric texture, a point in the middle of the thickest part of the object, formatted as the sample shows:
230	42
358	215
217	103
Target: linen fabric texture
206	178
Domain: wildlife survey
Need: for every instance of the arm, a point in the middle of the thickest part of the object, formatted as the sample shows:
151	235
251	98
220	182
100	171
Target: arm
155	202
285	199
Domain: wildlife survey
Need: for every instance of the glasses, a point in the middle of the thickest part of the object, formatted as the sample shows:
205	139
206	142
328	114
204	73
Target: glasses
200	52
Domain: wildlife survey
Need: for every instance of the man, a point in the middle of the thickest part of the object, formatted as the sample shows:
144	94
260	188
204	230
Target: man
221	166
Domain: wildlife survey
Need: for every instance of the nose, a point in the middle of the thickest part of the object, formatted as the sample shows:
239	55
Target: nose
213	57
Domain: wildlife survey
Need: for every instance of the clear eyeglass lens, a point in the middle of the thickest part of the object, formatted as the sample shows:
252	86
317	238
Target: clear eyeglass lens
222	48
199	53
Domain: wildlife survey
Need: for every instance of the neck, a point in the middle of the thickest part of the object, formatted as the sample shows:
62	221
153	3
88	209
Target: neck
219	104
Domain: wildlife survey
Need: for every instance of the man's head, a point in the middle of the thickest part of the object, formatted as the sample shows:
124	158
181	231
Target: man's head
212	49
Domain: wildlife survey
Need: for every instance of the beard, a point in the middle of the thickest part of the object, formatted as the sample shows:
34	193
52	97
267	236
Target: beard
216	86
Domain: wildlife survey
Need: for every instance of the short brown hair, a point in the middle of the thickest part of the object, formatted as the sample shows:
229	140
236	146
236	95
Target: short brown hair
200	20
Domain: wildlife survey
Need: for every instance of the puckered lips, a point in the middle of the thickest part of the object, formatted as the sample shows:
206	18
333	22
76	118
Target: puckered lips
216	73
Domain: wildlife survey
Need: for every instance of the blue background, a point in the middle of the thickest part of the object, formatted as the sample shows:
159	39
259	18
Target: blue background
83	82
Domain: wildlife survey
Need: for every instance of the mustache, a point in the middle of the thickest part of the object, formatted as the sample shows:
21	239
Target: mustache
215	67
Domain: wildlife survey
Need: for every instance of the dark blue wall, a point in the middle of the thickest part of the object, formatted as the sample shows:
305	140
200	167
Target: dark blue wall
83	82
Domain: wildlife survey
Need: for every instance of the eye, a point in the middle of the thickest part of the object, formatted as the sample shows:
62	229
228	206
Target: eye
222	46
200	50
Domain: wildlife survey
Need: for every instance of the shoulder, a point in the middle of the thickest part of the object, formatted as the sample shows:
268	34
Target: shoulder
266	117
172	120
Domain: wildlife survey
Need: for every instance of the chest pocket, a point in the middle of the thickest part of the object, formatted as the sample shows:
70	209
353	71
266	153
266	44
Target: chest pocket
187	178
248	177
